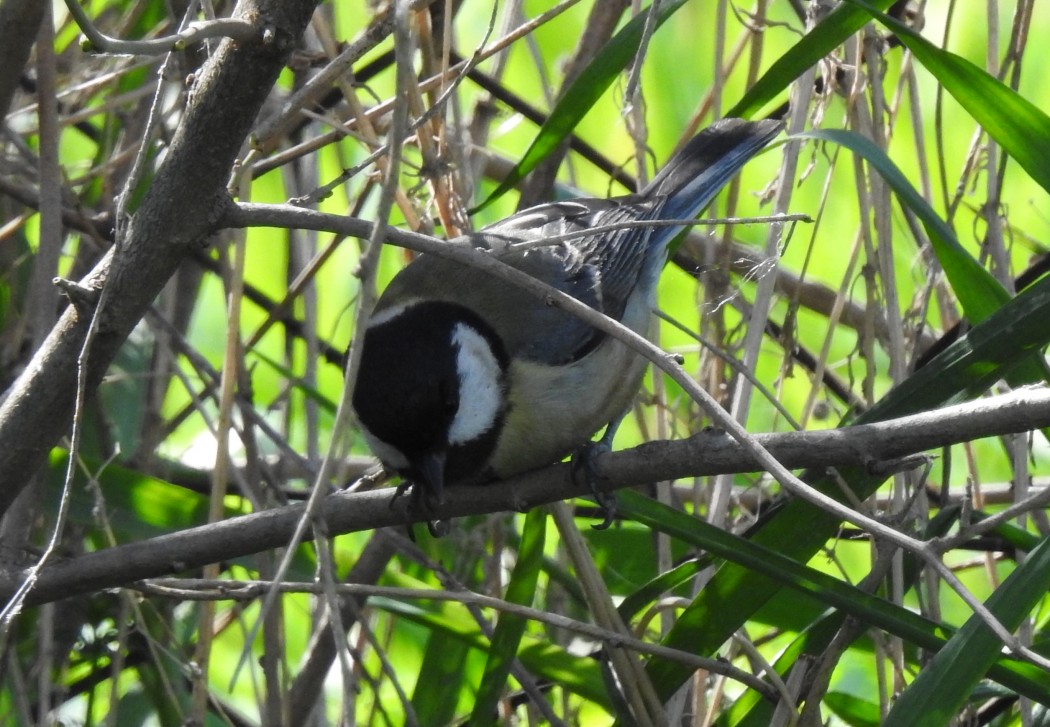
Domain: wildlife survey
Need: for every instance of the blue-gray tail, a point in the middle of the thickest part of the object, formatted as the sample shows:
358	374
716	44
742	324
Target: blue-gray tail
693	176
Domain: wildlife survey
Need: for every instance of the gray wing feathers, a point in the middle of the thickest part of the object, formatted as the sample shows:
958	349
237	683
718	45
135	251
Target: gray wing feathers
603	269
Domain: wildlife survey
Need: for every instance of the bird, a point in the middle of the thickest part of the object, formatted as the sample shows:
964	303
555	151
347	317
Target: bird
466	379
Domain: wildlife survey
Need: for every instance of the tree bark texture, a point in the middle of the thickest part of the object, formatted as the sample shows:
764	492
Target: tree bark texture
177	213
19	21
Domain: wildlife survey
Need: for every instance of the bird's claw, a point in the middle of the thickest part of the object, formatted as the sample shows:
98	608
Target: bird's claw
422	503
584	470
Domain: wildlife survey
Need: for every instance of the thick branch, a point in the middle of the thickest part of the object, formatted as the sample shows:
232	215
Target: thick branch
707	453
177	213
19	20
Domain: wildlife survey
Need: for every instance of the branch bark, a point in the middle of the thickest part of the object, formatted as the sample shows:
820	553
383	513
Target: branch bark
708	453
19	21
177	213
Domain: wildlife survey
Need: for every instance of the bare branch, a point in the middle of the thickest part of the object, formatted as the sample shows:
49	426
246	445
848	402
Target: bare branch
708	453
234	28
206	590
19	20
176	214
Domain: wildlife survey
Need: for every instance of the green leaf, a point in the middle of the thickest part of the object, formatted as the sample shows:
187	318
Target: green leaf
657	587
510	628
437	691
1015	123
840	599
977	290
944	685
581	96
140	507
966	368
971	365
828	34
852	710
578	674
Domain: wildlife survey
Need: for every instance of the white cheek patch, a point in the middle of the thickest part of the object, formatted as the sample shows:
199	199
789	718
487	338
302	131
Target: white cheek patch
480	386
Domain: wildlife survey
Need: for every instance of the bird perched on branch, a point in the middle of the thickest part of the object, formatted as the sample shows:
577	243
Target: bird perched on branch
466	378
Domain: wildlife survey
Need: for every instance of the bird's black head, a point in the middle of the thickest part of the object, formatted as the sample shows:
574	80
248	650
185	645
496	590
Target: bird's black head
431	393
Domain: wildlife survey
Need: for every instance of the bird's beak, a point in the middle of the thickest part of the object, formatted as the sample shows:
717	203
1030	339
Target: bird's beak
432	472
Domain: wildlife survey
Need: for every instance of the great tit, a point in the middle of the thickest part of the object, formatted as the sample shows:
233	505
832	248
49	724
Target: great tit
465	378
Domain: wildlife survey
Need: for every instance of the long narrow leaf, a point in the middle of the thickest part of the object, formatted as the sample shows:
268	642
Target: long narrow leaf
834	593
578	674
827	35
799	529
510	628
1015	123
978	291
581	96
947	681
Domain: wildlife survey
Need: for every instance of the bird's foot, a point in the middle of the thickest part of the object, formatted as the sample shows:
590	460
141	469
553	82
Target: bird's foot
420	503
584	469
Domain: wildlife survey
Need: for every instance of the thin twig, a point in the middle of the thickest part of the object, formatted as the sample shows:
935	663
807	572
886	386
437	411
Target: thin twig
14	604
189	589
704	454
543	240
384	108
669	364
95	40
